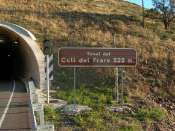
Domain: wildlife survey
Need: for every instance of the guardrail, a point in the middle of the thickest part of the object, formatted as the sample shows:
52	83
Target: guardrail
37	109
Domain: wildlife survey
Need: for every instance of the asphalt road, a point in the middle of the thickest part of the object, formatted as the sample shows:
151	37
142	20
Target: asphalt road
15	114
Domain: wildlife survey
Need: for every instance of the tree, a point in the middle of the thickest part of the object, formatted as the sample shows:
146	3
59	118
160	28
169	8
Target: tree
167	11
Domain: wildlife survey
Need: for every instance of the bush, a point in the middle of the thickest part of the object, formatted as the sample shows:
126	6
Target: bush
50	114
130	127
150	114
165	35
85	96
157	114
91	120
61	95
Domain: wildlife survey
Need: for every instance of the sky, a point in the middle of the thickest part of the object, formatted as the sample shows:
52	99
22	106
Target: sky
148	3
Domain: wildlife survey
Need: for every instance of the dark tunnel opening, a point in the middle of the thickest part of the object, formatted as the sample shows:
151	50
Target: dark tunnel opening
12	66
21	57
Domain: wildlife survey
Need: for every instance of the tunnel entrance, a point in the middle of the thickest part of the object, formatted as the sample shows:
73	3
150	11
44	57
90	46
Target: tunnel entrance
20	56
12	64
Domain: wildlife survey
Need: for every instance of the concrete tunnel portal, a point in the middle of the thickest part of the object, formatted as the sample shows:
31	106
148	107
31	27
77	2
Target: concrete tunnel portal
20	56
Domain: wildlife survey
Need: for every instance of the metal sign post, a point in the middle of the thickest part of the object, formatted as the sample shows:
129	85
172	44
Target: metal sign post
47	52
49	74
74	86
116	92
48	80
122	90
117	84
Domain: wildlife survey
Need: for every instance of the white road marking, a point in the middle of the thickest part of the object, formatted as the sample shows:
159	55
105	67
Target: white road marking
7	107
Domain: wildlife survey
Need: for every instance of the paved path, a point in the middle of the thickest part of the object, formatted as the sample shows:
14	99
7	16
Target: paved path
15	114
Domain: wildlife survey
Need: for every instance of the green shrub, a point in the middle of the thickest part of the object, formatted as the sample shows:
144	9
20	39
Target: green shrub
50	114
85	96
61	95
91	120
165	35
150	114
173	37
157	114
130	127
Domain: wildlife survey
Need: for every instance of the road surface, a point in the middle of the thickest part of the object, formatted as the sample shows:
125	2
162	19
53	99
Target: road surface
15	114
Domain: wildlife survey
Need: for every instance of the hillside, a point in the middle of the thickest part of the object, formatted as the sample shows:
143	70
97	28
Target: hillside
149	88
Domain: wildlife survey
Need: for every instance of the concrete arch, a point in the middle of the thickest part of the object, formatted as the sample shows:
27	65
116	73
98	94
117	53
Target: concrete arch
32	55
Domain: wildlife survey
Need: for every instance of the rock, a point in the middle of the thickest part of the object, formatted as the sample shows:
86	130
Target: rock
122	109
57	103
74	109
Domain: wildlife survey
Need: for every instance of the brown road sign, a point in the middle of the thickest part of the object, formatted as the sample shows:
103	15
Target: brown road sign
96	57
